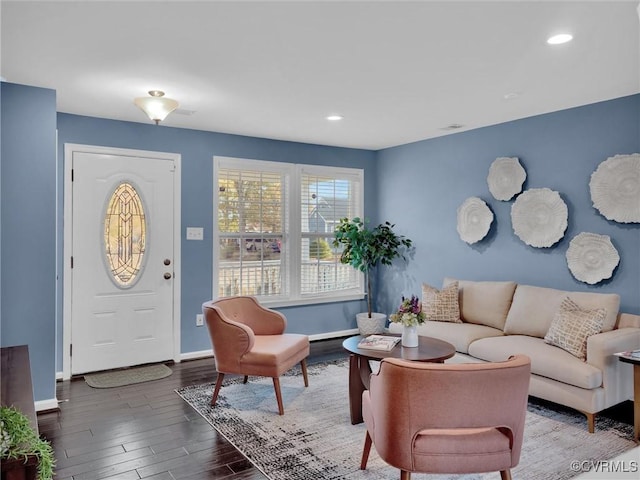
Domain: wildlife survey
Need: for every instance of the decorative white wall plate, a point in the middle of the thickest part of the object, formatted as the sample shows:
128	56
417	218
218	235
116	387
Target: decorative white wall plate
539	217
474	220
505	178
615	188
592	257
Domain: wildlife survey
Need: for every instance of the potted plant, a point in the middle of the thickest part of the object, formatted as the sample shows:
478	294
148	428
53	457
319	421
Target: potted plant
22	449
364	249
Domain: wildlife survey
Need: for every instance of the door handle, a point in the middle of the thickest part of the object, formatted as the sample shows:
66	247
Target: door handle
167	276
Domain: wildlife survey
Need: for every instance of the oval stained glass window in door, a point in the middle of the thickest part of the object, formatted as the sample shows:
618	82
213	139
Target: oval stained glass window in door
125	235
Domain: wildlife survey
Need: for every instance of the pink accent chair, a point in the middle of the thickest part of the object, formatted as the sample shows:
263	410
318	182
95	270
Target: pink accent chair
447	418
249	339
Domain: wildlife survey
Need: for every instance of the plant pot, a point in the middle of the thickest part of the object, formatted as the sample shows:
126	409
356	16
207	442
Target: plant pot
373	325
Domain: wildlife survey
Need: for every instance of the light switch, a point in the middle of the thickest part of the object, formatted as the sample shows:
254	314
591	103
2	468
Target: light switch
195	233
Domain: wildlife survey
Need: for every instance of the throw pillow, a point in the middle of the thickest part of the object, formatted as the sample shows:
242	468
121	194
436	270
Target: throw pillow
572	326
441	305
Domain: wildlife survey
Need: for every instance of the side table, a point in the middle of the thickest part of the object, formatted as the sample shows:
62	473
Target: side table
16	388
634	359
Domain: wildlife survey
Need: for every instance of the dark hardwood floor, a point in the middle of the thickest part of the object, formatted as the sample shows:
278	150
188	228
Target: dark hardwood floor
148	431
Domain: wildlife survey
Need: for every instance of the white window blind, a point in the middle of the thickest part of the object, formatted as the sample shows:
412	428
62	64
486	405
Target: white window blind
251	210
327	195
274	230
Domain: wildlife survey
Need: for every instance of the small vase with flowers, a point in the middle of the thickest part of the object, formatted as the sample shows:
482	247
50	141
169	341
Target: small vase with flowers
409	315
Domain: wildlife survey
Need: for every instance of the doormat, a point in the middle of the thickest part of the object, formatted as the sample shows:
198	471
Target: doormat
129	376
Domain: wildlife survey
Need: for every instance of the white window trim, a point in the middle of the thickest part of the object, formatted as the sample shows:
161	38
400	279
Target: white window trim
293	174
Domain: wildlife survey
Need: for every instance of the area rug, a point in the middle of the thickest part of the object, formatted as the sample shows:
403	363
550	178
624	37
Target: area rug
127	376
314	439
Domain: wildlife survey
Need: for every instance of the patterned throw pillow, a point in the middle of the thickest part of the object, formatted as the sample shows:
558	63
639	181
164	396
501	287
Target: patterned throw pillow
572	326
441	305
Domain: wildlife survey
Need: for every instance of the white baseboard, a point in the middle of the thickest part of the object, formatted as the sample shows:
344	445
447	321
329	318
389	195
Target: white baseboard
312	338
209	353
337	334
196	355
50	404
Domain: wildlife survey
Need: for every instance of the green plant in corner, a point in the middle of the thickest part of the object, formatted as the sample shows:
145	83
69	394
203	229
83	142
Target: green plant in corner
19	441
365	248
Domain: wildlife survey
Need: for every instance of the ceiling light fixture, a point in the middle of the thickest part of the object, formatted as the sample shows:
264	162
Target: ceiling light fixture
334	118
560	39
157	107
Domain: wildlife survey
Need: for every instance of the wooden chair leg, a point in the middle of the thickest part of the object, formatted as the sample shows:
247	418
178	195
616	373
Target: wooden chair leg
591	422
303	366
246	379
276	386
404	475
505	474
365	451
216	390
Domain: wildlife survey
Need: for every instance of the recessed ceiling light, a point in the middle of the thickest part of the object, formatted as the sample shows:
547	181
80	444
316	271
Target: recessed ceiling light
334	118
560	38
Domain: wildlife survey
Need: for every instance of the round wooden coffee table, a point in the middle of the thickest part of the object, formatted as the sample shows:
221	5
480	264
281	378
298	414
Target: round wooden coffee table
428	350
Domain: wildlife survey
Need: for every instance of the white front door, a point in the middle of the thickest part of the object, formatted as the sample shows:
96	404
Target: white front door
122	286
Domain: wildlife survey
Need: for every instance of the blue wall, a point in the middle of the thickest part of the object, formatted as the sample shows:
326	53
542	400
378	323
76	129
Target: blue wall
559	150
197	149
418	186
27	196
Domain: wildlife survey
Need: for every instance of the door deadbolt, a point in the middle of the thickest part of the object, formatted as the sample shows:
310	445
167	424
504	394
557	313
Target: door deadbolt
167	261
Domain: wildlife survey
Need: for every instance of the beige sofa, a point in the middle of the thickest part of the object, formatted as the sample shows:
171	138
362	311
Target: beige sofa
500	319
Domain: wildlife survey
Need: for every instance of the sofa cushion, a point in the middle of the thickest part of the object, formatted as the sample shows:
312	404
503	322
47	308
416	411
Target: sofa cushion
485	303
546	359
572	326
460	335
534	308
441	305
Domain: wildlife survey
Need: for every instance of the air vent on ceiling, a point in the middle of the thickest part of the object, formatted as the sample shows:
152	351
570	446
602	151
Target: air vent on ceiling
184	111
452	126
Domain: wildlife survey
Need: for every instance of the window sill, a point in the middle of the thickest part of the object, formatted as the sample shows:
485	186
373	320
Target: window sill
309	301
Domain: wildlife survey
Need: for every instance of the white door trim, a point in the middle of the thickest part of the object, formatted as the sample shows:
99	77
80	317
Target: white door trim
69	149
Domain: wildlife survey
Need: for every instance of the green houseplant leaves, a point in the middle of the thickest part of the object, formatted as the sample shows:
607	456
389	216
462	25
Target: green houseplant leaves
19	441
365	248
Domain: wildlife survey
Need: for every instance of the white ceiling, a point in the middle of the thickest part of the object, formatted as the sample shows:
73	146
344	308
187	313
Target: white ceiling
397	71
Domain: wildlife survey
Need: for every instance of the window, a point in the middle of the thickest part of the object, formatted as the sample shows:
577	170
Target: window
124	235
274	230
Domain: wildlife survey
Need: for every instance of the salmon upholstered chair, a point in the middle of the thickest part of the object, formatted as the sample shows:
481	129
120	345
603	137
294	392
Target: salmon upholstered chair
249	339
447	418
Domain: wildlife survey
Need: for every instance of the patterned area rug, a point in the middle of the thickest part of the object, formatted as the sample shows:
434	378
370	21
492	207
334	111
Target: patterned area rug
315	440
127	376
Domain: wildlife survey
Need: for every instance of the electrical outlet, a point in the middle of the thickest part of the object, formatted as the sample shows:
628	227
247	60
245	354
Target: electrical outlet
199	320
